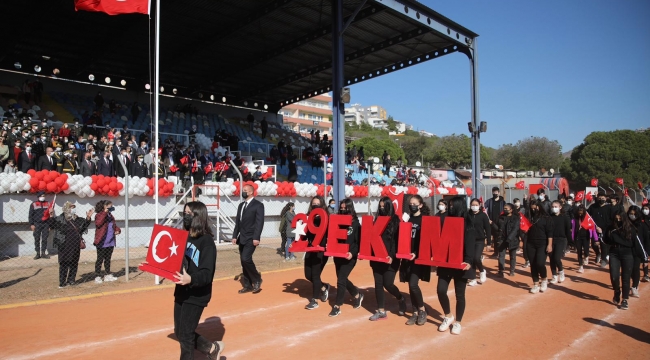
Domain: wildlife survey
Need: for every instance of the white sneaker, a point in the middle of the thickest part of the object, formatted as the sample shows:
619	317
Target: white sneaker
554	279
534	289
456	328
544	286
634	292
581	270
445	323
98	280
483	277
586	262
561	278
472	283
110	277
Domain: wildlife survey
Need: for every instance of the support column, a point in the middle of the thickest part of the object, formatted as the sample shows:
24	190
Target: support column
338	110
476	134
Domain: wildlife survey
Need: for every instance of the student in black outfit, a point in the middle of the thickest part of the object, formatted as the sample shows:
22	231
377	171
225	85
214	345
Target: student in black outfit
411	272
645	220
522	234
344	266
483	232
194	286
457	208
602	214
315	261
561	237
540	242
442	210
494	209
623	239
640	252
508	238
584	238
384	273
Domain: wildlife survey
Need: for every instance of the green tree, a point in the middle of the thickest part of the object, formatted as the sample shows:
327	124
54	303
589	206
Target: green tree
373	147
534	153
392	125
453	151
610	155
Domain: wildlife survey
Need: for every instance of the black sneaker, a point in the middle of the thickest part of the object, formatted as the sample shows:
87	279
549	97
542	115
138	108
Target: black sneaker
379	315
336	311
312	305
357	301
45	256
216	353
624	305
71	283
402	306
617	298
325	294
501	274
422	317
512	273
38	256
413	319
62	286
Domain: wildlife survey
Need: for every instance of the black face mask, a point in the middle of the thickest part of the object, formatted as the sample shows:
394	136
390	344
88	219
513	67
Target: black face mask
507	212
495	195
111	209
414	208
601	202
344	211
381	211
187	221
244	195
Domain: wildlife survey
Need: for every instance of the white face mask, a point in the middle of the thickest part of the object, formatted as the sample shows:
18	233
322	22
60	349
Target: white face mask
517	204
475	208
58	149
555	210
541	197
570	203
42	198
442	207
29	148
632	217
646	211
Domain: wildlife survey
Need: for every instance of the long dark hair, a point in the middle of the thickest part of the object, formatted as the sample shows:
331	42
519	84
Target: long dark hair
424	210
349	206
99	207
577	212
515	211
637	213
393	223
626	228
322	204
286	208
480	204
200	223
541	212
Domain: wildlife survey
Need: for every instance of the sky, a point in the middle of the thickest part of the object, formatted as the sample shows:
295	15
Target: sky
554	68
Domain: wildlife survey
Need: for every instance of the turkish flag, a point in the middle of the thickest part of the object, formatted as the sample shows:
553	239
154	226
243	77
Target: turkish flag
166	251
208	168
397	200
589	197
580	196
640	185
173	168
114	7
619	181
594	182
524	224
588	223
520	185
625	192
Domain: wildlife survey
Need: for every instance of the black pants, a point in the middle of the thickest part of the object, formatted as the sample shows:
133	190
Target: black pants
604	251
596	247
636	272
249	271
559	245
502	249
67	272
343	269
41	233
537	256
283	245
263	134
524	240
186	319
417	300
314	264
478	252
103	257
460	285
620	266
384	275
582	248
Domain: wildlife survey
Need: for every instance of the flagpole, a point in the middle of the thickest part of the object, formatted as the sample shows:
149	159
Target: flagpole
156	102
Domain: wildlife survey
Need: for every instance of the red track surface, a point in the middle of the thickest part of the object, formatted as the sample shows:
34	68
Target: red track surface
572	320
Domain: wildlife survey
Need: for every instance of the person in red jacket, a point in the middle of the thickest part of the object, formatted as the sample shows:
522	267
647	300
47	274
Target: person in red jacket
39	222
105	233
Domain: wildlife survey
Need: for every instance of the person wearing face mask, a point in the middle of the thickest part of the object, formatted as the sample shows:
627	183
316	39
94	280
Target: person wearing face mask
344	266
442	210
123	158
561	236
409	271
10	168
622	238
105	165
287	214
508	238
521	210
602	214
584	238
315	261
87	166
27	158
248	230
105	233
47	161
4	152
68	165
139	168
645	220
331	207
39	222
483	232
68	228
640	249
540	243
494	209
384	273
546	204
617	206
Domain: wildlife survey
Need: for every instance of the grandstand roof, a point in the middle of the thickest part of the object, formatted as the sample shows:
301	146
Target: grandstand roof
264	52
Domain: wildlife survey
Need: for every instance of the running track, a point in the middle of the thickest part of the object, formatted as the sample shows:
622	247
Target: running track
572	320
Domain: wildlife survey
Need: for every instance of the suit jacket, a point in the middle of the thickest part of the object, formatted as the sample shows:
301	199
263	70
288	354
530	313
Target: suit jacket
249	225
25	163
104	169
139	170
118	168
87	170
44	164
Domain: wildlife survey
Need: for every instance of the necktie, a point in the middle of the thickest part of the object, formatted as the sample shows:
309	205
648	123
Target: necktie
243	209
49	158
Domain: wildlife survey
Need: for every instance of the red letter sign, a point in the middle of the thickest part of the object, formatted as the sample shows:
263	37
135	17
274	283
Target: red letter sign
404	242
300	222
371	241
336	233
441	248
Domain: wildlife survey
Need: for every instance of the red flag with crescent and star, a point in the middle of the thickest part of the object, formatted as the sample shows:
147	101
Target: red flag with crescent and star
114	7
166	251
588	222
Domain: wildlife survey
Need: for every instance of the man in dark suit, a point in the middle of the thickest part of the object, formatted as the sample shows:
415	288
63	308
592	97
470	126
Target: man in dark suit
87	167
46	162
105	165
119	170
139	168
26	159
247	233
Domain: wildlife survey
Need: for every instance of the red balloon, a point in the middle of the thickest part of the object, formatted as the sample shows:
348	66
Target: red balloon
94	177
112	186
100	183
65	186
120	186
39	175
113	193
31	172
60	180
51	187
42	185
93	187
151	192
33	182
106	189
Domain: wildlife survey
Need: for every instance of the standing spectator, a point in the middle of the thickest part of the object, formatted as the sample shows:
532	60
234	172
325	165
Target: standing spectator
68	229
283	227
87	167
27	159
27	91
38	92
135	112
150	157
46	162
192	133
4	152
248	230
251	121
39	222
105	165
265	127
139	169
10	167
387	165
106	230
99	101
494	207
